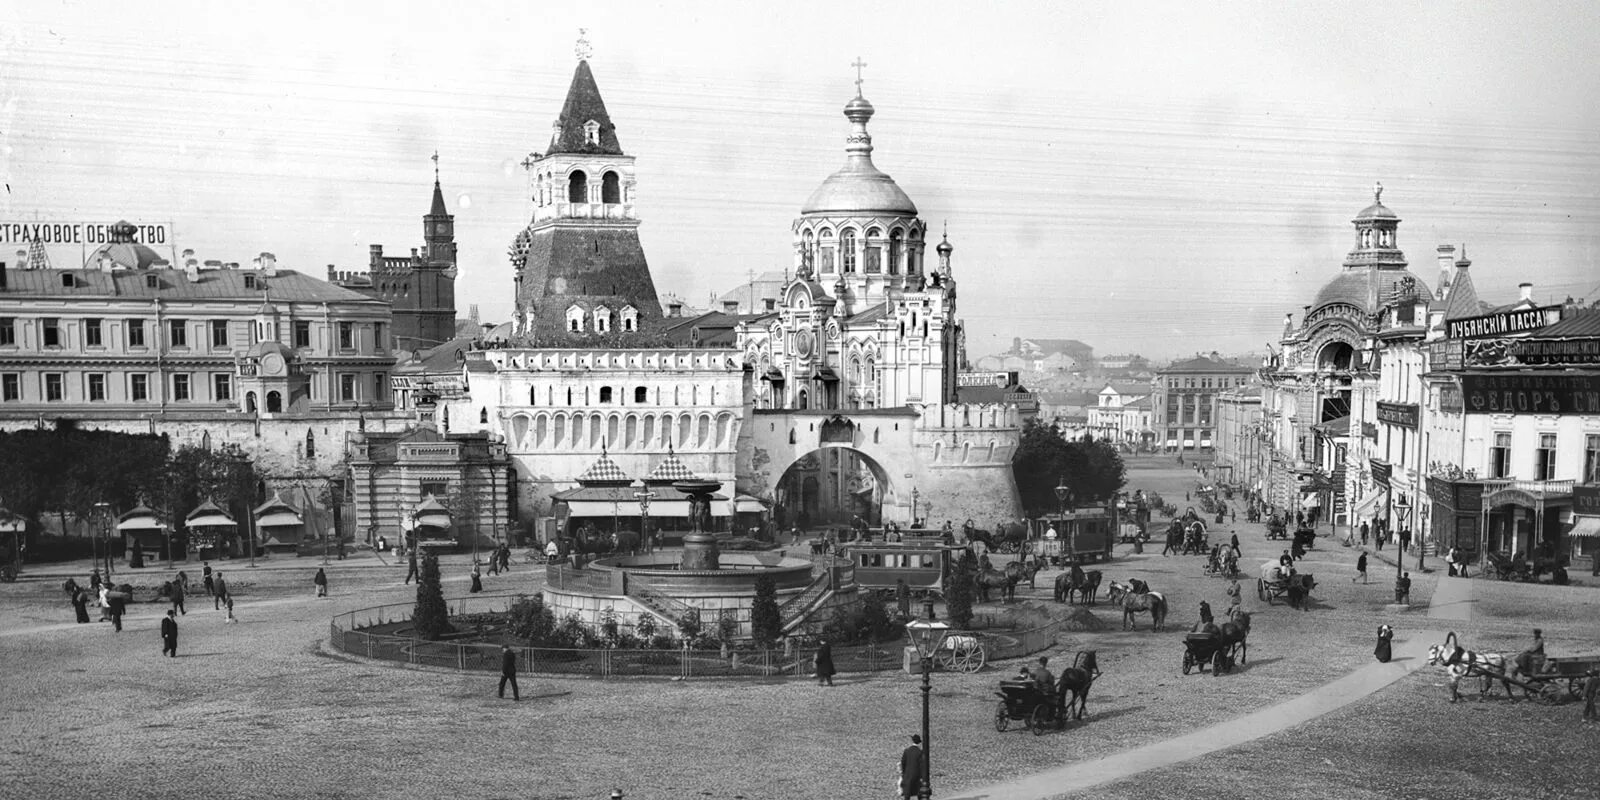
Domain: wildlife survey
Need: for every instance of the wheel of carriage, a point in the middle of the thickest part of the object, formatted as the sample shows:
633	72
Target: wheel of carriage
964	653
1188	662
1575	686
1261	589
1039	719
1002	718
1551	694
1220	663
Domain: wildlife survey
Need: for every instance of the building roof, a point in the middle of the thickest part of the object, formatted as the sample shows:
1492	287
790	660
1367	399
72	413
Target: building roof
286	286
1203	364
670	469
751	294
859	187
873	314
1575	322
583	105
1368	288
603	471
438	209
589	267
711	329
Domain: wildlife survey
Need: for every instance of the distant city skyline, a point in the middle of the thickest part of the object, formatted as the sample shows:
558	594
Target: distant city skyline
1159	178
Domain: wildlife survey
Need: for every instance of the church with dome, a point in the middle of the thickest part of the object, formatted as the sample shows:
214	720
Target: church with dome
839	401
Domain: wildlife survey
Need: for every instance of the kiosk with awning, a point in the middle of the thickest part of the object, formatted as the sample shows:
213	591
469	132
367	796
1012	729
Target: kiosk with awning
608	498
209	529
280	525
430	525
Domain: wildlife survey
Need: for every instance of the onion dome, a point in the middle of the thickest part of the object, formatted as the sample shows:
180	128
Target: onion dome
945	248
859	187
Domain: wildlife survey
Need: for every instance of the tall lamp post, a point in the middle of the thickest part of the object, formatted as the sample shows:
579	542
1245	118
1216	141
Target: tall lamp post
1063	495
1402	509
103	514
644	496
927	635
914	496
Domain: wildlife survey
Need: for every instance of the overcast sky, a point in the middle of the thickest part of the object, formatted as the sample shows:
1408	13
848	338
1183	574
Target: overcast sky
1155	177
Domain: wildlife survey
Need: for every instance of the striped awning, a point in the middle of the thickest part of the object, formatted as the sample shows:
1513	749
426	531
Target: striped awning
141	524
279	518
208	521
1585	527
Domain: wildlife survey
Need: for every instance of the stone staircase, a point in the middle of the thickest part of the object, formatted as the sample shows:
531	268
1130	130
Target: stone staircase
669	610
794	611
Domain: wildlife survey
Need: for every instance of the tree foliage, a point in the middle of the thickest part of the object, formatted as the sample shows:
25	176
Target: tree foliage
766	624
1092	469
430	616
958	594
71	469
225	475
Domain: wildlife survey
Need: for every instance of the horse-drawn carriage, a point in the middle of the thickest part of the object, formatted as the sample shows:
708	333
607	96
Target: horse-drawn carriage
1200	649
1507	567
1277	528
1279	581
1024	701
1550	679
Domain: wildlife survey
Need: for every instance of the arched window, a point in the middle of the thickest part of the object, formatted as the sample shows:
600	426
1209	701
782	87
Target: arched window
847	250
533	395
591	132
575	318
577	187
610	188
602	319
274	402
605	394
483	416
825	249
630	319
640	395
895	248
914	253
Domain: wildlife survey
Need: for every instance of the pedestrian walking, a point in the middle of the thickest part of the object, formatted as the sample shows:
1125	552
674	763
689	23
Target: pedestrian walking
1590	686
1233	599
210	582
1405	540
911	768
1233	542
340	545
1361	567
230	618
94	580
177	596
477	579
169	634
411	569
1383	651
824	663
219	595
80	604
494	562
321	582
508	672
1365	530
505	557
116	601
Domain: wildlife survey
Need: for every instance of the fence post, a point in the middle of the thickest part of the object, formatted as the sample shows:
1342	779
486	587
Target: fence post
461	657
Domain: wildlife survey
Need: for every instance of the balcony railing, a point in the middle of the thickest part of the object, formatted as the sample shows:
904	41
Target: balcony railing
1540	488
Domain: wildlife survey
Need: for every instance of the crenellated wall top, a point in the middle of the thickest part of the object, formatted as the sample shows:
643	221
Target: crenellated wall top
618	360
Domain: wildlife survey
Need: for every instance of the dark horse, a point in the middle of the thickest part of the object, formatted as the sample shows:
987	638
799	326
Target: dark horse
1077	679
1025	570
1005	582
1077	582
1234	632
1138	603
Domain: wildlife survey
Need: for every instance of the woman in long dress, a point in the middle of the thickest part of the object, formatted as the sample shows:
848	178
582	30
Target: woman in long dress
824	663
477	579
1383	651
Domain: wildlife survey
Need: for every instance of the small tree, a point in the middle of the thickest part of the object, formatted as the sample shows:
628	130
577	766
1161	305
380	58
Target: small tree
766	625
645	627
690	627
610	630
728	625
431	617
532	621
958	594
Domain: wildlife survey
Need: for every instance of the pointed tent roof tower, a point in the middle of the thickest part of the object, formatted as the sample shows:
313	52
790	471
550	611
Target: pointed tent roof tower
604	472
670	469
437	209
1463	300
584	106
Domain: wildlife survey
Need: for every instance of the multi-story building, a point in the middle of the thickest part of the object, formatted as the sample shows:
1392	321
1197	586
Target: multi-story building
1122	418
1238	439
1185	400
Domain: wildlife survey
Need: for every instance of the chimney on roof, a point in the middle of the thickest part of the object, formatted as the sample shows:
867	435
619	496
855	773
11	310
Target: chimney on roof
230	265
22	257
1447	261
269	265
730	307
1527	292
771	303
332	273
188	253
213	264
191	270
2	276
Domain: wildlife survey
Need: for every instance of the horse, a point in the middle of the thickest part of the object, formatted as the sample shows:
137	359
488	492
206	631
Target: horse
1138	603
1193	539
1024	571
1077	679
1299	590
1234	632
1461	662
1084	584
1006	582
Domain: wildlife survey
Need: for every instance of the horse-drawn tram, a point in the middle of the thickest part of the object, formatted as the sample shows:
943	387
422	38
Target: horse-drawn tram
1082	535
922	565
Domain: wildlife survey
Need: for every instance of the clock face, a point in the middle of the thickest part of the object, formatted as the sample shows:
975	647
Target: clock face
272	364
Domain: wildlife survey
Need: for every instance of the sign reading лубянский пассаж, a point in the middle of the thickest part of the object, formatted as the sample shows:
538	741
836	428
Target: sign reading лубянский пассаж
1526	393
146	233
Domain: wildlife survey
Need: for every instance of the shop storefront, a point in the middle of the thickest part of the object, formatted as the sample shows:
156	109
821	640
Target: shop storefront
1584	534
1526	517
1457	511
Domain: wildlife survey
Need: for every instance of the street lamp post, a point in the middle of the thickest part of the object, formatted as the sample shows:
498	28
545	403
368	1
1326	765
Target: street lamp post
645	496
103	516
914	496
1402	508
927	635
1063	496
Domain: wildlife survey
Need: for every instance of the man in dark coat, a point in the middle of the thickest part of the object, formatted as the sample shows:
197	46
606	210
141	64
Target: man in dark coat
116	604
1361	567
824	663
911	768
411	571
508	672
80	604
211	584
177	598
221	596
169	634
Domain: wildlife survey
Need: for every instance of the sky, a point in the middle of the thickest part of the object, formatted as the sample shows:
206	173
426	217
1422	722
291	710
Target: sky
1160	178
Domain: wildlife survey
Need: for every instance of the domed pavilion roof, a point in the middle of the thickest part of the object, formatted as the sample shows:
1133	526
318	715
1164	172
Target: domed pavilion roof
859	187
1368	289
123	251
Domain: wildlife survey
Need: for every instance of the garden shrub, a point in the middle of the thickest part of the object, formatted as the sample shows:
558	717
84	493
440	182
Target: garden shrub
430	615
766	624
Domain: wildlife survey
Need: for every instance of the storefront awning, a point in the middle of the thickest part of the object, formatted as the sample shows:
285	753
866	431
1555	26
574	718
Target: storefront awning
659	509
1366	507
202	521
1310	501
278	518
746	504
1586	527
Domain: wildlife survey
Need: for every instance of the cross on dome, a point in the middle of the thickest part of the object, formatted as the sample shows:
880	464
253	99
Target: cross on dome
858	64
583	50
436	166
1377	193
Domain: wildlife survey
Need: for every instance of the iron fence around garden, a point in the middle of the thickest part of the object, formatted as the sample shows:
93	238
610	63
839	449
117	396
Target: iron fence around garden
382	632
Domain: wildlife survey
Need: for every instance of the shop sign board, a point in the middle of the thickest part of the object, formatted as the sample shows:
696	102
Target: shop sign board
1586	500
22	232
1502	323
998	379
1380	472
1529	393
1506	352
1402	414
